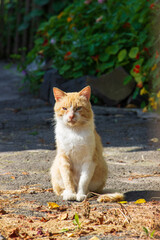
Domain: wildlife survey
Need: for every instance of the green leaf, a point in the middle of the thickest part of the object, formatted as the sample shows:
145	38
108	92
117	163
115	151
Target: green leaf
146	231
104	57
138	78
122	55
112	50
133	52
23	26
152	233
76	217
135	94
127	80
105	66
65	68
77	74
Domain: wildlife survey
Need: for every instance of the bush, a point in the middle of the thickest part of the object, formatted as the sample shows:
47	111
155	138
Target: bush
93	37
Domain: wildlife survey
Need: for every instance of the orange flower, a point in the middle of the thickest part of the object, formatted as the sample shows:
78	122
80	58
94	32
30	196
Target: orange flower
67	56
69	19
140	85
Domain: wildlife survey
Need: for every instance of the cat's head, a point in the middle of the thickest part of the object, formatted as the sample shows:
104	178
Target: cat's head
73	109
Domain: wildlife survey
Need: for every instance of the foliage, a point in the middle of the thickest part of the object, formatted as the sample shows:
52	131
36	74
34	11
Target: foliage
76	221
93	37
150	235
18	17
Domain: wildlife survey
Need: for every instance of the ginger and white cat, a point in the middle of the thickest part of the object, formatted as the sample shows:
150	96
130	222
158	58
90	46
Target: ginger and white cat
79	166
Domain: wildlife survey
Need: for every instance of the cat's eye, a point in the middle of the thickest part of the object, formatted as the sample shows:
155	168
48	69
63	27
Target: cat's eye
64	108
78	108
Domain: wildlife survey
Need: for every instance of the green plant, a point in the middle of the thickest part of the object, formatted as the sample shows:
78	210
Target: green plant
76	221
150	235
20	20
94	37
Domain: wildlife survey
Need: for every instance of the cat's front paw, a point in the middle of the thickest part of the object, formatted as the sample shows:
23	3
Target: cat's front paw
68	195
80	197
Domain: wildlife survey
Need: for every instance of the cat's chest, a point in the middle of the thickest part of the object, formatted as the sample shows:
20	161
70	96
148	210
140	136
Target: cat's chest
75	141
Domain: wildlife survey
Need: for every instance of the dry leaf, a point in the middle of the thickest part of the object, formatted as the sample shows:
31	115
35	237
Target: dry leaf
154	140
25	173
63	216
139	201
123	202
12	177
14	233
70	235
52	205
2	211
43	219
94	238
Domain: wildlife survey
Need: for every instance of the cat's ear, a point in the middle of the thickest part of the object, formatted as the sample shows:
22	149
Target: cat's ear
86	92
58	94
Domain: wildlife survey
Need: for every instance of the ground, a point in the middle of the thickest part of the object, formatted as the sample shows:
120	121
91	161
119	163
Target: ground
131	141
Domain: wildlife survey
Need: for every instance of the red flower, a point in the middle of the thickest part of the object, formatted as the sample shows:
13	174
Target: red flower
138	54
95	58
126	25
146	50
45	42
152	5
136	68
157	54
67	56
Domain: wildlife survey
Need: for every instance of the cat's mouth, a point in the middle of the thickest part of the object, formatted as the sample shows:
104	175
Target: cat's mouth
71	122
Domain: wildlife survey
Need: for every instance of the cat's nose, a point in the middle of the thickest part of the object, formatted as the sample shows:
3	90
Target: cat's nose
71	116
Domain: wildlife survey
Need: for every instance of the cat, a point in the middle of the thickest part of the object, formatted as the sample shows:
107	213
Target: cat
79	166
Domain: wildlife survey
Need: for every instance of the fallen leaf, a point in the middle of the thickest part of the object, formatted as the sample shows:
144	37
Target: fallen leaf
94	238
25	173
14	233
2	211
43	219
12	177
6	173
154	140
52	205
63	216
123	202
139	201
70	235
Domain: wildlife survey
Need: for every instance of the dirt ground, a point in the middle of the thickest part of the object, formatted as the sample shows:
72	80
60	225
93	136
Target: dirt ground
131	141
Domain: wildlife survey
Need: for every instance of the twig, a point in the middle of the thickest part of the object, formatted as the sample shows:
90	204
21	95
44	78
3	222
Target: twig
125	212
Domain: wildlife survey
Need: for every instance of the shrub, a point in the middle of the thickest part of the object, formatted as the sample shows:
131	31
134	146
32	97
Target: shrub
93	37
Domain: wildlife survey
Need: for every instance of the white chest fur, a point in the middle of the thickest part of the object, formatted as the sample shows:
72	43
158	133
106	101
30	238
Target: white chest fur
77	143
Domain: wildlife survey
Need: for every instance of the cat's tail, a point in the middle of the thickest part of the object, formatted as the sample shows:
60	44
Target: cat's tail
111	197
